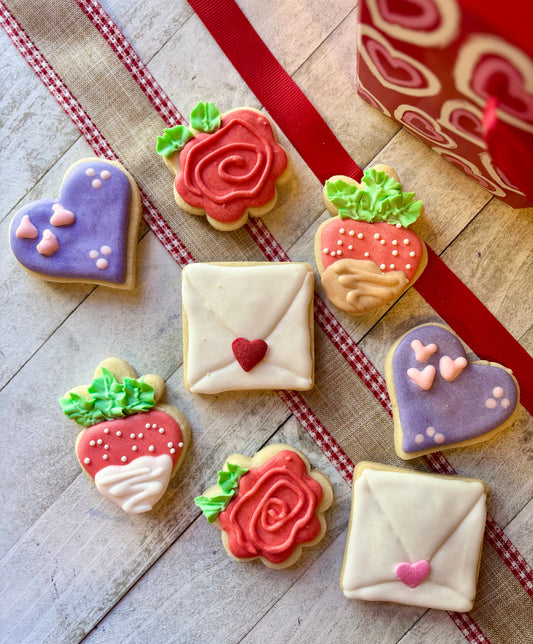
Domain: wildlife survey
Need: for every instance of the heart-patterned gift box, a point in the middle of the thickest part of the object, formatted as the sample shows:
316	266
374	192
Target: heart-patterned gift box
88	234
440	399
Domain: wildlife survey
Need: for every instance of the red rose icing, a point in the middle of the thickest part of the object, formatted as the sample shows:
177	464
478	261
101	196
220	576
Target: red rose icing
274	510
390	247
233	169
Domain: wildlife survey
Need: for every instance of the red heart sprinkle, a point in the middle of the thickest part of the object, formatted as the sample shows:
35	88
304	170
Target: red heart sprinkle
249	353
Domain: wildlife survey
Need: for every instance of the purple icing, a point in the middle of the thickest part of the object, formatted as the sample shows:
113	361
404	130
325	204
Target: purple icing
101	222
479	399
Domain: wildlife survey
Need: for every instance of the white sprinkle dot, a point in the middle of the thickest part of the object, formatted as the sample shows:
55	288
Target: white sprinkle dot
124	459
132	435
90	172
412	253
134	448
360	236
406	242
376	235
86	461
395	253
161	430
140	436
352	233
106	430
154	426
398	225
99	441
350	247
439	438
102	263
341	231
383	266
490	403
339	253
96	184
180	444
505	403
419	438
105	457
172	450
430	431
367	254
106	446
339	243
105	175
395	242
325	251
119	433
392	266
105	250
147	426
333	253
151	448
382	242
408	266
170	444
93	254
92	443
497	392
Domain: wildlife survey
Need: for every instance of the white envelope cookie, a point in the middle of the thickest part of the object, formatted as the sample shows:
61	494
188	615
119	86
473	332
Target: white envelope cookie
414	538
248	326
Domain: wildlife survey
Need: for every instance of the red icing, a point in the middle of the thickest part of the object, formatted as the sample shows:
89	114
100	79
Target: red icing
120	446
274	510
381	254
249	353
233	169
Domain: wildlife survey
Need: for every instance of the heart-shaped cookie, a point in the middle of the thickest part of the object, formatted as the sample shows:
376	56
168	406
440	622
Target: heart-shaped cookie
465	403
88	234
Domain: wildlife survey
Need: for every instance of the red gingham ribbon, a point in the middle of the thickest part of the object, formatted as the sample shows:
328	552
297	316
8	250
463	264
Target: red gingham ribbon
177	249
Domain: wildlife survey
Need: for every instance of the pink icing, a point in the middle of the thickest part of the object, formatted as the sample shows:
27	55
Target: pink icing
48	244
423	378
61	216
26	230
413	574
450	369
423	352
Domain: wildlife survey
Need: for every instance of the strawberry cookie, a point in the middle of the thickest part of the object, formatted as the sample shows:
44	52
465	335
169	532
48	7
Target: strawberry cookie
270	506
88	233
132	444
226	165
366	255
440	399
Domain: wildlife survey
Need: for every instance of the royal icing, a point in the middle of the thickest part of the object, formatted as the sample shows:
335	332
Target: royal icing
445	400
414	538
266	302
55	237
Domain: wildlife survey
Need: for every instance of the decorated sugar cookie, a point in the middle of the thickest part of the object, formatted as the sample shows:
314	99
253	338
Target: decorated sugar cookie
132	444
366	255
247	326
414	538
227	165
88	233
440	399
270	506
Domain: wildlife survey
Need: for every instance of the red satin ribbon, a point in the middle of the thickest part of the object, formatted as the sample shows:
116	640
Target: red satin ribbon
323	153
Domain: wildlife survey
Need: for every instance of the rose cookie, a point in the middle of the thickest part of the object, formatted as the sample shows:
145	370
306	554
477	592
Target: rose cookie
439	398
270	506
366	255
226	166
414	538
132	445
248	326
88	234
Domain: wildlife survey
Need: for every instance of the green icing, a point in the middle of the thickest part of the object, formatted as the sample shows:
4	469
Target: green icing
108	399
380	199
228	481
205	117
173	140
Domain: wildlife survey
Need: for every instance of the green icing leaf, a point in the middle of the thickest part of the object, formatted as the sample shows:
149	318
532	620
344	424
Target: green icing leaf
108	399
205	117
173	140
380	199
228	481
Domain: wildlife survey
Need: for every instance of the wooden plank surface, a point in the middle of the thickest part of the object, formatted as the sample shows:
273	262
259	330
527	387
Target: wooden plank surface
73	566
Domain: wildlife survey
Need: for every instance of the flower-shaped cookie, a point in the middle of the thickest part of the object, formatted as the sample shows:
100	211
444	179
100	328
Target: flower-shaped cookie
269	506
226	166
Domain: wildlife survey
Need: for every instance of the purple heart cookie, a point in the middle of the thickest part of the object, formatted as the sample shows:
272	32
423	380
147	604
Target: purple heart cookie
88	234
439	398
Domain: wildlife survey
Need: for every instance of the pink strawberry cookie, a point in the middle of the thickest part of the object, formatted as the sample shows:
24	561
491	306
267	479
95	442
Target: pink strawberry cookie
131	446
366	255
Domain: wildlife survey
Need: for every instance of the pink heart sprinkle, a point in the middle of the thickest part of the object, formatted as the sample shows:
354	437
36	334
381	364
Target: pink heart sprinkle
450	369
423	352
413	574
424	379
48	244
26	229
61	216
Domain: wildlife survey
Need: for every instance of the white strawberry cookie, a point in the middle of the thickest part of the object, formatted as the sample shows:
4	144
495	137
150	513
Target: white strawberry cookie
414	538
248	326
227	166
366	255
132	444
269	507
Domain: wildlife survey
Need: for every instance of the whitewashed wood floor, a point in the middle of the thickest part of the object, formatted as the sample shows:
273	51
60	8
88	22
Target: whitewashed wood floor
72	564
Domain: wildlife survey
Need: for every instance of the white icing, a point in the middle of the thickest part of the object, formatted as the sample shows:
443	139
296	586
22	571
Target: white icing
266	301
405	517
137	486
